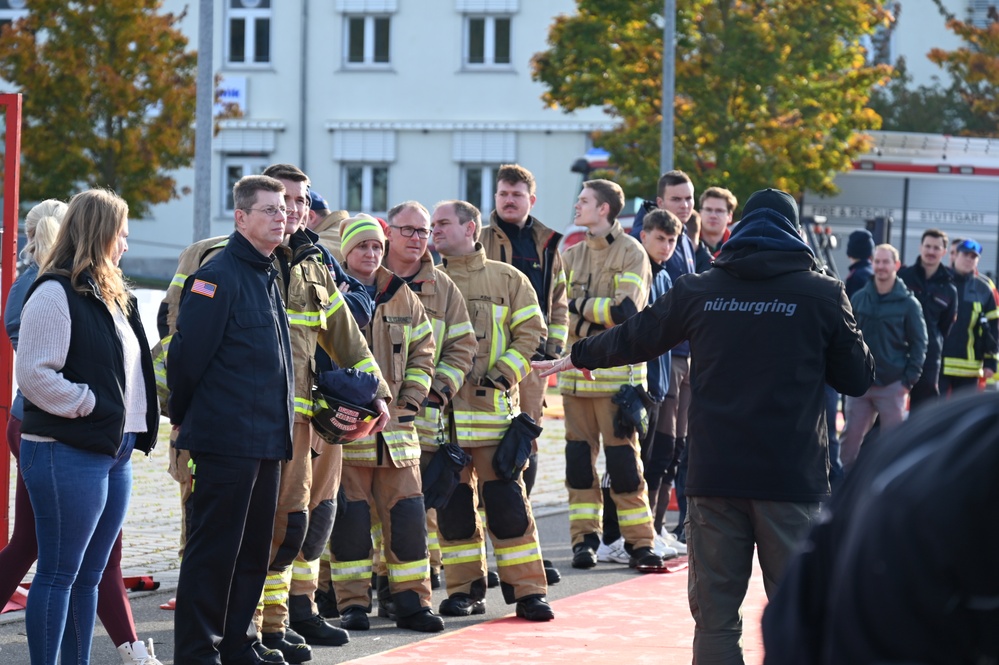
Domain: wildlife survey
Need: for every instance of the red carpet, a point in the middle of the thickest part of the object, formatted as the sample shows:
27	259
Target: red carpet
642	621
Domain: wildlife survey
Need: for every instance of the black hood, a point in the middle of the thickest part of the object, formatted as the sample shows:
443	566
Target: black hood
763	245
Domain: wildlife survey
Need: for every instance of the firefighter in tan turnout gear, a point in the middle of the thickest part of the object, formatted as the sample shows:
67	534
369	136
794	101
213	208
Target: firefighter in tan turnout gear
516	237
317	313
408	256
381	477
609	277
509	328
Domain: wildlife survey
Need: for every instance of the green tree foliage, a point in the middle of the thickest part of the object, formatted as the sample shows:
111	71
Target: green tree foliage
109	92
769	92
974	68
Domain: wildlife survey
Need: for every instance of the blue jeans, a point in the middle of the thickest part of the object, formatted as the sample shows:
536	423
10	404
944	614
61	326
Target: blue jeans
80	499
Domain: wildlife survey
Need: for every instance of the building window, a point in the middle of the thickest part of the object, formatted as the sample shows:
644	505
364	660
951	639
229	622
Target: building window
365	187
487	41
12	10
235	167
248	32
366	41
478	186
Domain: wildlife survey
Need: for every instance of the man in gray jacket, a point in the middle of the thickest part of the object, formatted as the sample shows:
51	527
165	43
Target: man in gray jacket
891	320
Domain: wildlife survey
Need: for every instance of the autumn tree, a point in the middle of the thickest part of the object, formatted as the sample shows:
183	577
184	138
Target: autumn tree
768	92
974	69
109	98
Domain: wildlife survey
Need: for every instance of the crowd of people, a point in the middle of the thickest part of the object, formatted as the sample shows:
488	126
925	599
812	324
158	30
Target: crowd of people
700	355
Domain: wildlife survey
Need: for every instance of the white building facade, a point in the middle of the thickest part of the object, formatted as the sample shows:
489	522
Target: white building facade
378	101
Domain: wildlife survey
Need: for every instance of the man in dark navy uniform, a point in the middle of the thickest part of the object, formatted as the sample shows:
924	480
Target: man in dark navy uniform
232	398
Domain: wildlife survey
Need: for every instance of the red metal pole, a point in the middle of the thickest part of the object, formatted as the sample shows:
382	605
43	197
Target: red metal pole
11	105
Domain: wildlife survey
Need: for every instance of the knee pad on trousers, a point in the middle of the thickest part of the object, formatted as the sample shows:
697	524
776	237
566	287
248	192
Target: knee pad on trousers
456	520
409	529
294	537
622	466
506	508
351	539
320	528
578	468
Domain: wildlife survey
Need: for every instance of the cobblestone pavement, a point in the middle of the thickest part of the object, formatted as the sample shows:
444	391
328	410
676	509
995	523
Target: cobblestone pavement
152	525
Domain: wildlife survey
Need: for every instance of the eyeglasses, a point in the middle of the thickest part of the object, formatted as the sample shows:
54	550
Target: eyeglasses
270	211
408	231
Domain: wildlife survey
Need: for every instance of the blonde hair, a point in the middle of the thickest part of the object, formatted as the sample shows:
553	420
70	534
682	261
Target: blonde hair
87	242
41	225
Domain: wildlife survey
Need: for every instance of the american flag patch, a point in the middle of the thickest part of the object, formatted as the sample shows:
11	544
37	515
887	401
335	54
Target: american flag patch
201	287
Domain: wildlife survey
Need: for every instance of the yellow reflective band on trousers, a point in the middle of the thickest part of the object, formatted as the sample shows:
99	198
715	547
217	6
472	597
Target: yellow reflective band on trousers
276	588
304	570
585	511
344	571
409	571
463	553
633	516
512	556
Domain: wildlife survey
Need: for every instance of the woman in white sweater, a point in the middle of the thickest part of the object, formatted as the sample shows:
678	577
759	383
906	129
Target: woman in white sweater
84	367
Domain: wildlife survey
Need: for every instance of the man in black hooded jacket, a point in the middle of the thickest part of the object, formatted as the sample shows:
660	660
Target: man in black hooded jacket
767	331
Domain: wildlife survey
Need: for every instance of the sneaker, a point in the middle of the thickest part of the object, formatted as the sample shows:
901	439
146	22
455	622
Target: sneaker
674	542
137	653
613	553
663	549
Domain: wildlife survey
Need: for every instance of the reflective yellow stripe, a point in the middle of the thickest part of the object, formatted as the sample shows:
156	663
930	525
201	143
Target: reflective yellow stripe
343	571
524	314
463	553
304	570
305	406
585	511
516	362
366	365
178	280
409	571
633	516
460	330
558	333
308	319
512	556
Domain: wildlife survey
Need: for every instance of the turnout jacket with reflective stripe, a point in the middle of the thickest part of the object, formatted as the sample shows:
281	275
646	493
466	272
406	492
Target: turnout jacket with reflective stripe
499	248
317	314
609	278
399	334
454	341
509	328
972	343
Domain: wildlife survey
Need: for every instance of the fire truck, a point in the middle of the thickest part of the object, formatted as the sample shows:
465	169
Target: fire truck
906	184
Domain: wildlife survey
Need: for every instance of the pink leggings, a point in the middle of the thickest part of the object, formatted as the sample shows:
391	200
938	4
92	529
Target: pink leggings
22	551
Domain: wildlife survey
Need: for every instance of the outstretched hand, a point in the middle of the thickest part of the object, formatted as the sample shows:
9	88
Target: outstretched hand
549	367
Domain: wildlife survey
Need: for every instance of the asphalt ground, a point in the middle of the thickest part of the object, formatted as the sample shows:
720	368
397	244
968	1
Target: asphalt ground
150	548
